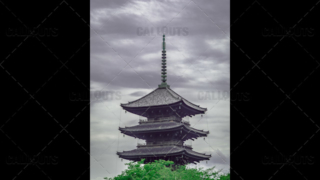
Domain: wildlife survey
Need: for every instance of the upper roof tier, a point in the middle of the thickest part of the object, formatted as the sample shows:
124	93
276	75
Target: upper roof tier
162	97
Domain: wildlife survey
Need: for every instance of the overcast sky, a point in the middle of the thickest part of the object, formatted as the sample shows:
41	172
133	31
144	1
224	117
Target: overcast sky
126	38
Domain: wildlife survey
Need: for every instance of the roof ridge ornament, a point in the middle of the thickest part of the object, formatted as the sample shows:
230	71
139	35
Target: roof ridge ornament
164	67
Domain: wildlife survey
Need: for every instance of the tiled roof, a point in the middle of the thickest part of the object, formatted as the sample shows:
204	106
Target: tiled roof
162	126
161	150
161	96
153	126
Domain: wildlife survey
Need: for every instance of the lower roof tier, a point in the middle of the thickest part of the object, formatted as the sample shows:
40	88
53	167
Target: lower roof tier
163	152
163	129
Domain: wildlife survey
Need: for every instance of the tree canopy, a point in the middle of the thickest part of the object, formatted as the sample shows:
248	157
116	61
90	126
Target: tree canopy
161	169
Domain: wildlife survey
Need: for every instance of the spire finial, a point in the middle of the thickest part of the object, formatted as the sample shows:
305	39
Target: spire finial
164	67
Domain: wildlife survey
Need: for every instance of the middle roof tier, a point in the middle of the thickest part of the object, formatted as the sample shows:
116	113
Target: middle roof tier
170	130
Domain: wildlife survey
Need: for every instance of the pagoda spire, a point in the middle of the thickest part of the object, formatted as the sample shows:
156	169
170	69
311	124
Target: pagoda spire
164	67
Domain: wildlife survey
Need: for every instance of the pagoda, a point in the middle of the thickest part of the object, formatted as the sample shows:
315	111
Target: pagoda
164	130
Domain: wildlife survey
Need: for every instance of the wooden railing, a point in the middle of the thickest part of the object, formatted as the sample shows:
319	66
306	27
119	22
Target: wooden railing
162	144
142	120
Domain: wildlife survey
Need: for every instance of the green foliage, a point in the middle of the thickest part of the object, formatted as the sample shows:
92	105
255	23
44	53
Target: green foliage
161	169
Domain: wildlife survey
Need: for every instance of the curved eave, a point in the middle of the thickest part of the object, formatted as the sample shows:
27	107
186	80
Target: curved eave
145	107
186	105
173	94
190	153
199	109
199	133
186	101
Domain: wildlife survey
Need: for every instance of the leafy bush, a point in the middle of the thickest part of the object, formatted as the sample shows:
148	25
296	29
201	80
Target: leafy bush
161	169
